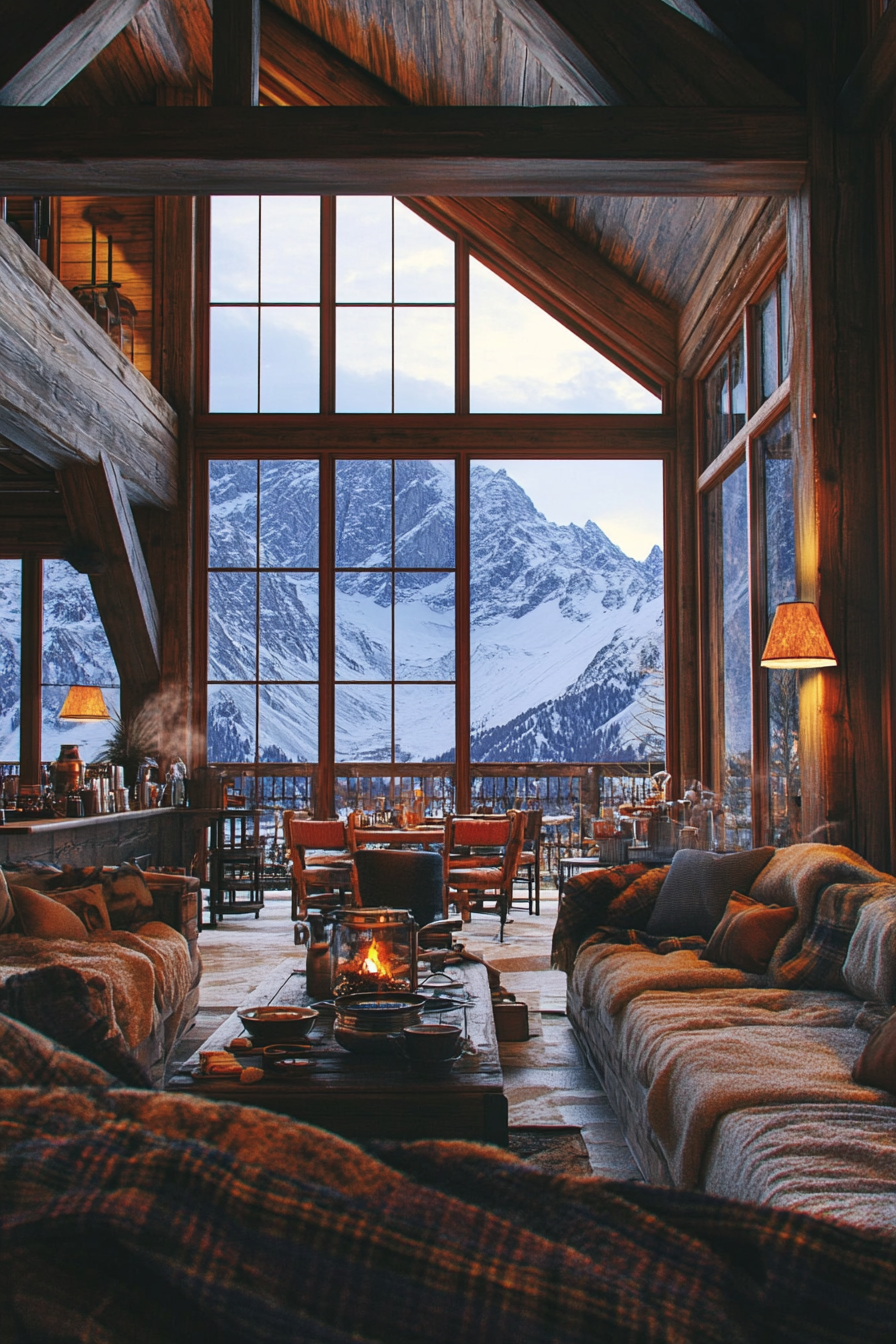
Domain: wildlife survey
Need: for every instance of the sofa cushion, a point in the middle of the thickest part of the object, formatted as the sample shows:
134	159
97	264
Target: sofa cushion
7	911
876	1065
830	1160
128	898
697	888
869	971
748	933
39	916
88	903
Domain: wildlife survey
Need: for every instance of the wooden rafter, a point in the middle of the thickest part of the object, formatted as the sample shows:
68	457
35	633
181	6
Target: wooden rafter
642	51
46	46
408	151
298	67
563	274
67	392
867	96
100	518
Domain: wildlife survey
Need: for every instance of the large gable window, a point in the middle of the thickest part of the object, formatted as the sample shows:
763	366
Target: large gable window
358	305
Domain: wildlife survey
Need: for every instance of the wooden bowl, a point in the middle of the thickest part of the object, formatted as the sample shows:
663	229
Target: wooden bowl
277	1024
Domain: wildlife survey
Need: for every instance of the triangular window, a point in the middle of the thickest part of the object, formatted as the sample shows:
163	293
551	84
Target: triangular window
524	360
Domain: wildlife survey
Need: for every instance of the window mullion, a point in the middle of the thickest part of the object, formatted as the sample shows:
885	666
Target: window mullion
324	801
462	782
328	305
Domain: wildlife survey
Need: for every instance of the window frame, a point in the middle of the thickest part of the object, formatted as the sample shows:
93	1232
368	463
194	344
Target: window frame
328	305
220	441
744	447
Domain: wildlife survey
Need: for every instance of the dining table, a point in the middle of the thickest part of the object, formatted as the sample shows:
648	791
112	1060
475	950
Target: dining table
398	836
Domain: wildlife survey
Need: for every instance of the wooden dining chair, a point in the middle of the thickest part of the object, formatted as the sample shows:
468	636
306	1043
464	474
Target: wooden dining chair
469	880
530	857
323	870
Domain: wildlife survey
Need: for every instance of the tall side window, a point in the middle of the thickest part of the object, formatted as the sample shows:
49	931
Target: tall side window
749	547
75	652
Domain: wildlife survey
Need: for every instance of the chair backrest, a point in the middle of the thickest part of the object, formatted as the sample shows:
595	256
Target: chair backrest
480	832
514	847
533	824
405	879
302	835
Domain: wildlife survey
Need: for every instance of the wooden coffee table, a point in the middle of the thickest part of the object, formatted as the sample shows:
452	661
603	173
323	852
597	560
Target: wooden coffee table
370	1096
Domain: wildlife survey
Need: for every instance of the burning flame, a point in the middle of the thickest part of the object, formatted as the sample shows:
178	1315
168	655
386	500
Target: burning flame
376	962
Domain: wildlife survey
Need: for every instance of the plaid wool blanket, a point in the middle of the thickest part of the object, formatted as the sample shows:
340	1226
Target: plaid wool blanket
620	898
155	1219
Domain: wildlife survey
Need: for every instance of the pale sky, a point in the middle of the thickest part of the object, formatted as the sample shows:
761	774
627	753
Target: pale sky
624	498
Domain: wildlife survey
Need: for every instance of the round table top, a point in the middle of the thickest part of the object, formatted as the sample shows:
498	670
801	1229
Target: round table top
557	821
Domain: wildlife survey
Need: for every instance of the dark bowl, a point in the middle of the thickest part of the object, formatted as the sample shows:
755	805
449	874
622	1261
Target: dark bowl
277	1024
383	1013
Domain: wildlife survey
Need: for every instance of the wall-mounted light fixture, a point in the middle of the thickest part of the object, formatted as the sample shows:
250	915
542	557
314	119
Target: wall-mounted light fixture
84	704
797	639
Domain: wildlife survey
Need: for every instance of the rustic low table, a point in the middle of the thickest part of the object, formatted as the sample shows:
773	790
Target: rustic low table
370	1096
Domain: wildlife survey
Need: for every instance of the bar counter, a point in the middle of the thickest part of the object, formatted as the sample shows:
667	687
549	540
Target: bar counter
169	835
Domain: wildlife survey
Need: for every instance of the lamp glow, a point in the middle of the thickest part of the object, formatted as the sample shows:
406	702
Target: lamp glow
797	639
84	704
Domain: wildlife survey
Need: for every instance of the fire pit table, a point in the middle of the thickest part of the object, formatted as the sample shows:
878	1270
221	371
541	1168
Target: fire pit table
369	1096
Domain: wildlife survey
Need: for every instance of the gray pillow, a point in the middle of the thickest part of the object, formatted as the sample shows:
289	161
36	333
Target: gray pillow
693	898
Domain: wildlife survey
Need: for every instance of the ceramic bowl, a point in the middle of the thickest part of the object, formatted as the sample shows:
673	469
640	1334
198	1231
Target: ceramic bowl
431	1042
277	1024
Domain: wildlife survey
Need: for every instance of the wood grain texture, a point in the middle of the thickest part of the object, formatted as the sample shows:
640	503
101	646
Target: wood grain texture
67	393
750	248
559	273
167	833
843	282
49	55
297	67
169	536
525	435
402	151
236	40
642	52
33	520
867	95
130	222
100	517
168	43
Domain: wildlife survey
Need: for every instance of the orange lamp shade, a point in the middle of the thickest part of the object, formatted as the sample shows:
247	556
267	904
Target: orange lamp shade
797	638
85	704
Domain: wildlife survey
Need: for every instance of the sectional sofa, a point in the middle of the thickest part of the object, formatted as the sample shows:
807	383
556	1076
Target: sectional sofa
739	1082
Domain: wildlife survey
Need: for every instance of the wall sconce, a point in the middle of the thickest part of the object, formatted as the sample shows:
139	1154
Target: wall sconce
85	704
797	639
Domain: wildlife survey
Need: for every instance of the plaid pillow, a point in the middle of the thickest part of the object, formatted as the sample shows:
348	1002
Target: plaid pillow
583	908
634	906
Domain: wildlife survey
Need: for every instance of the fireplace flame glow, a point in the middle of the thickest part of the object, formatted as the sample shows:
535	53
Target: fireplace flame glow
376	962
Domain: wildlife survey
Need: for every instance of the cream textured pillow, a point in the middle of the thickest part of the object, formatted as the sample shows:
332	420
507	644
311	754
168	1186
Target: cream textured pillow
39	916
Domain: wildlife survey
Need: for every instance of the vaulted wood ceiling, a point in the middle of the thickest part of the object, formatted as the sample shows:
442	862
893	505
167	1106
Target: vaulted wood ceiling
492	52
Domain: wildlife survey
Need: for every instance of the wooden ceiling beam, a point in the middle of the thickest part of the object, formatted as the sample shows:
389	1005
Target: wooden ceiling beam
867	96
641	51
67	393
236	44
100	519
46	45
407	151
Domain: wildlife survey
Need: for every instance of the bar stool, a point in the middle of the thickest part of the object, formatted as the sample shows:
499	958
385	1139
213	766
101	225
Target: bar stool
236	862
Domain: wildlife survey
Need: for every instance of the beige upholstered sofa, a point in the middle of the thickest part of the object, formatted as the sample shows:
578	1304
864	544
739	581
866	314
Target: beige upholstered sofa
131	938
736	1083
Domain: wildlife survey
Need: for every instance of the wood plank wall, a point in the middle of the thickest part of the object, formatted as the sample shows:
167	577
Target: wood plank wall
130	221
